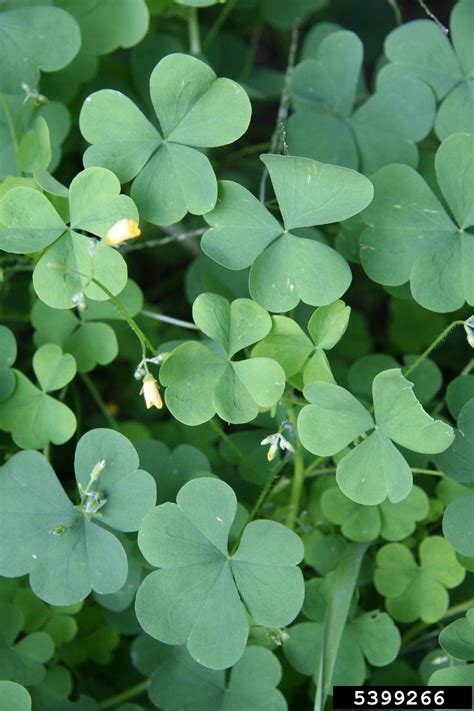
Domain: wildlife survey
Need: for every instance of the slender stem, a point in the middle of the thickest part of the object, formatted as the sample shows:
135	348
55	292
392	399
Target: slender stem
193	31
9	117
467	368
433	17
314	465
97	397
169	319
431	347
126	695
144	340
332	470
19	123
298	477
222	17
396	11
279	131
162	241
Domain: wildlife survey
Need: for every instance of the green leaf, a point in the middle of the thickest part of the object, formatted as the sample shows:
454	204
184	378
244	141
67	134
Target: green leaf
34	418
457	639
53	369
178	682
28	221
359	523
8	351
285	267
202	381
22	660
188	541
99	35
453	676
458	525
171	470
14	697
375	468
420	49
381	130
410	236
65	548
415	591
456	462
34	39
195	109
34	150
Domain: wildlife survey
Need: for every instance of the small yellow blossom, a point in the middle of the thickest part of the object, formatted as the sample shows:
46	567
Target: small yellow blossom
151	393
122	231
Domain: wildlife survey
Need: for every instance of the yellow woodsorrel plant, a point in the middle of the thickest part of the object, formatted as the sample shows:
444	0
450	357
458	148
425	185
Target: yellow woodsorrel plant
236	365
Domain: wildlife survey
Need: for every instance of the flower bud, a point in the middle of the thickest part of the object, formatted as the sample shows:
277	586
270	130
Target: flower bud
469	328
151	393
122	231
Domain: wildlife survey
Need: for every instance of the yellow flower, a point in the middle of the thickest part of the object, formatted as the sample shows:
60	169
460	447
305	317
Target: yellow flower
151	393
122	231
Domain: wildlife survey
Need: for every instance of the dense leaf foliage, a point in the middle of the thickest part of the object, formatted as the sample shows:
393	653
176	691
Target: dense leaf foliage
236	366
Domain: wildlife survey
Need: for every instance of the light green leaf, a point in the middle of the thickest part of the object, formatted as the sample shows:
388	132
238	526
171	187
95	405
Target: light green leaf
328	324
99	34
410	237
415	591
457	639
195	110
202	381
63	547
458	524
53	369
34	38
28	221
188	541
375	468
362	524
235	325
34	418
14	697
34	150
311	193
456	462
179	683
332	421
8	352
453	676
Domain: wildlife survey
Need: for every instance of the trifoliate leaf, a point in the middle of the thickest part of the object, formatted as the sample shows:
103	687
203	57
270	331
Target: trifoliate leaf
417	591
420	49
371	636
201	595
289	345
456	462
359	523
29	222
286	268
64	547
411	237
33	39
374	469
178	683
382	130
14	697
195	110
202	381
22	660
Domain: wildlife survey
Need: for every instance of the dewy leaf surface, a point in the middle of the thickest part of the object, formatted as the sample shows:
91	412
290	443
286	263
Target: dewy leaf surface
200	595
